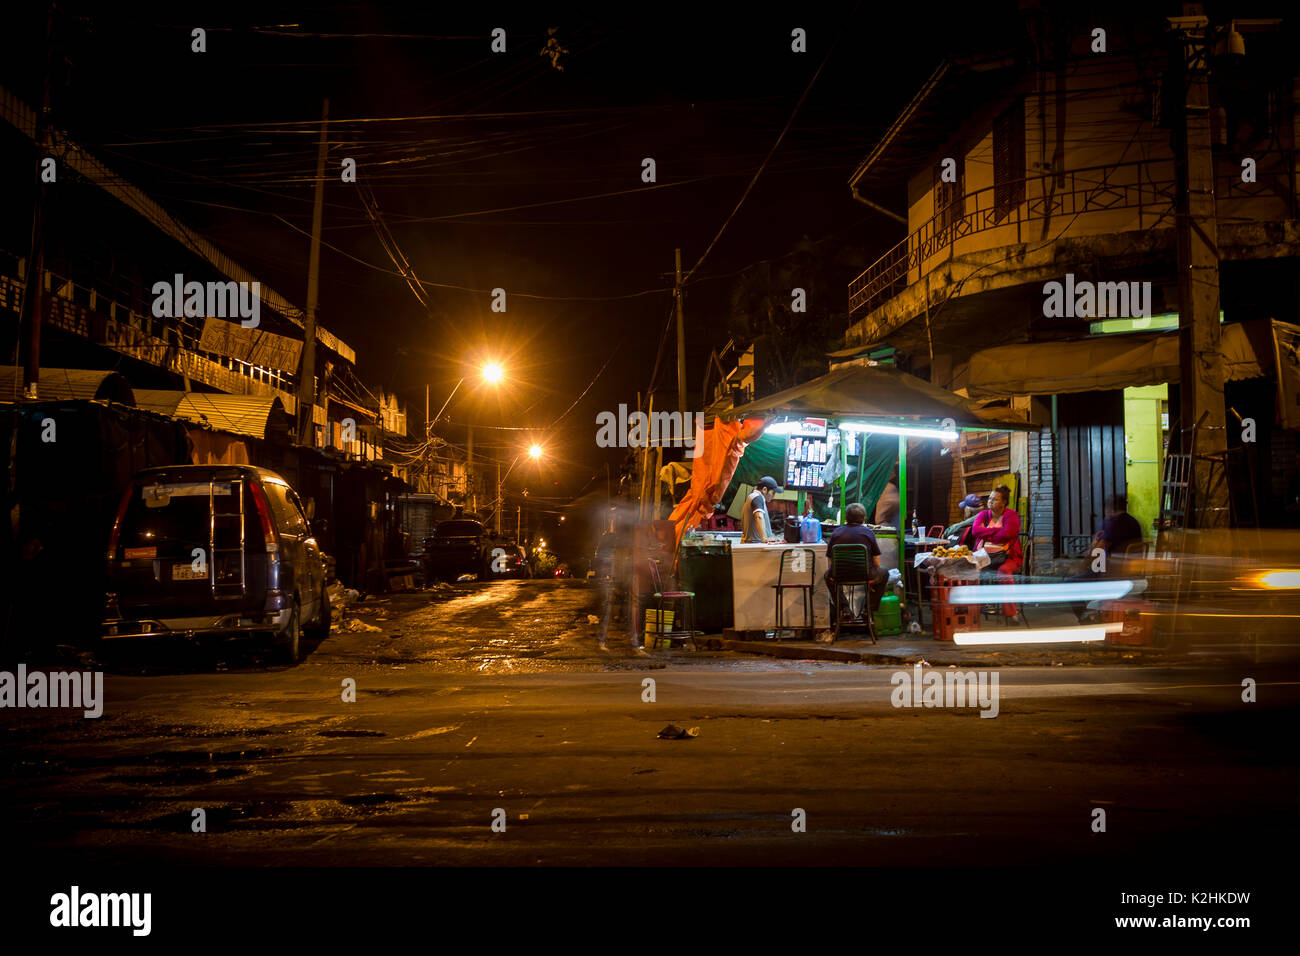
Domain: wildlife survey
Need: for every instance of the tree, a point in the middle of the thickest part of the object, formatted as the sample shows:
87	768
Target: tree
790	346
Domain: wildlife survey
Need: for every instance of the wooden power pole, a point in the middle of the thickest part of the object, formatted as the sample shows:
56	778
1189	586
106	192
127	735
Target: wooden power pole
681	338
34	295
307	380
1200	355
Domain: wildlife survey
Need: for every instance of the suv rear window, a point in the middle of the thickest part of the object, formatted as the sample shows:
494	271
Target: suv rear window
459	529
172	518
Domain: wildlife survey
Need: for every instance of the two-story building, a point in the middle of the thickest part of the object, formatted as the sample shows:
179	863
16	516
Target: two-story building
1040	263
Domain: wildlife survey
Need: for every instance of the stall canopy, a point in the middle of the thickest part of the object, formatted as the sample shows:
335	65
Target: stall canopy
1106	362
876	393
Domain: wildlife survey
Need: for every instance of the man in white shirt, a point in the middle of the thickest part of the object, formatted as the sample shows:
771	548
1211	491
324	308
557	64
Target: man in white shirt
755	523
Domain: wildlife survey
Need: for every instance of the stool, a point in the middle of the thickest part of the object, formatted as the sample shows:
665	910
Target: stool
683	611
798	563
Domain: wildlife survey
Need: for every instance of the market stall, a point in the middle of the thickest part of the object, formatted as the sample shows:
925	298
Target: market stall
839	437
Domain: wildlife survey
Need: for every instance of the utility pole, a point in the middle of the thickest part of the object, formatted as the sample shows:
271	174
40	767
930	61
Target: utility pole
307	380
500	501
34	297
681	337
1200	355
469	473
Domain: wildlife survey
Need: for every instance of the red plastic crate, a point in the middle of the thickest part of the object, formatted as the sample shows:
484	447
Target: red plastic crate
949	618
1137	630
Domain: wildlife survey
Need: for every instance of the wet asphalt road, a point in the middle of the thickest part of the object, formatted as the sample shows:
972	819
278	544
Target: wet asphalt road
490	701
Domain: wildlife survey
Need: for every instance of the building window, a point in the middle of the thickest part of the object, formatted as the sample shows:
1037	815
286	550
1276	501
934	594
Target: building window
949	201
1008	160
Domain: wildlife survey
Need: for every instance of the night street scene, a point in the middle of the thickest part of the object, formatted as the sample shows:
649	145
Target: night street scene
703	464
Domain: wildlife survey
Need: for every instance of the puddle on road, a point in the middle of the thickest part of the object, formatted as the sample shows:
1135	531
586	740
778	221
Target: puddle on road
180	778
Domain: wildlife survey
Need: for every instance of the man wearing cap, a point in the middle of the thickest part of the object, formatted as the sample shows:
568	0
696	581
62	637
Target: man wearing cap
970	506
755	525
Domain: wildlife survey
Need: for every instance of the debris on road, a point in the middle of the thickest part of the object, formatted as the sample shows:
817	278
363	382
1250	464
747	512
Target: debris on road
673	732
356	624
592	619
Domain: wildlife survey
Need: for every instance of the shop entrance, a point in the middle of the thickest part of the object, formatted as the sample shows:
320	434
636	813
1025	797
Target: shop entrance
1091	464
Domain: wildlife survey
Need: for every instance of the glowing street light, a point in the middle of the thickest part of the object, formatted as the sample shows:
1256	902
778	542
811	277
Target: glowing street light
534	451
493	373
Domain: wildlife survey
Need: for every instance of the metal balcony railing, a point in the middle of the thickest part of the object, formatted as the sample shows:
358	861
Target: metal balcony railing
1145	185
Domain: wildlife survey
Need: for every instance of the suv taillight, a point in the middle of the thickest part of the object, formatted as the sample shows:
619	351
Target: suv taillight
264	515
117	523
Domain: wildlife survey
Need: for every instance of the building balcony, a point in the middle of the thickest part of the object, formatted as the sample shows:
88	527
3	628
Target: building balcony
1006	234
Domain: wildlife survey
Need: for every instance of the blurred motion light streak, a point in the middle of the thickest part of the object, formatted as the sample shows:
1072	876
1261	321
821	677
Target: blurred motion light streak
1039	593
1046	635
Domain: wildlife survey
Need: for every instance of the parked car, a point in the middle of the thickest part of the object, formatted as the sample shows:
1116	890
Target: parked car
458	546
507	561
214	550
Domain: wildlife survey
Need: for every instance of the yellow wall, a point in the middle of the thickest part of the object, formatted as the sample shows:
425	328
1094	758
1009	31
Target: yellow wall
1143	452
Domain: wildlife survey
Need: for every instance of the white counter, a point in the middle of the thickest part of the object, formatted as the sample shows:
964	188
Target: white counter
754	571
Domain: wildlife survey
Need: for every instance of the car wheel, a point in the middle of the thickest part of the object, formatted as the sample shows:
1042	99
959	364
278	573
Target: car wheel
290	637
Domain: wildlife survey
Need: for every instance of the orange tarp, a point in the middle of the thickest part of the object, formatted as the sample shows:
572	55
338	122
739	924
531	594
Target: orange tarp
723	445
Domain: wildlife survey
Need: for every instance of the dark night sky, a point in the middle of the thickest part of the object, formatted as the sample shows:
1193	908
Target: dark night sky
704	95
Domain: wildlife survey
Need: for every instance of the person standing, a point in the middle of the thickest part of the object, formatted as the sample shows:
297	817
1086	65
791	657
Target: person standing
887	504
755	523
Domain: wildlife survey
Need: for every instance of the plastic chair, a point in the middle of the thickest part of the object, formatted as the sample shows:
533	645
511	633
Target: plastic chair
851	568
801	564
936	531
684	608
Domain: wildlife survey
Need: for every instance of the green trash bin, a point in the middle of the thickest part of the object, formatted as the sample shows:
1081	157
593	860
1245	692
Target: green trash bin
889	618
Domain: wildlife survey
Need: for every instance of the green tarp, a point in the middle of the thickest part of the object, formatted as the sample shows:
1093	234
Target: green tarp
766	456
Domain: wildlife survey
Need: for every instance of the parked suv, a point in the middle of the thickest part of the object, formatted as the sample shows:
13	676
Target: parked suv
214	549
459	546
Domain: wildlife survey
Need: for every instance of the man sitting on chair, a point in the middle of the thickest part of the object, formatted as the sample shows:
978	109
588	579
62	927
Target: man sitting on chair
1106	558
856	532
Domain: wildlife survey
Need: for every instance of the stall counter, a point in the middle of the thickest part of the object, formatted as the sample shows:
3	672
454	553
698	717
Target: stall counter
754	571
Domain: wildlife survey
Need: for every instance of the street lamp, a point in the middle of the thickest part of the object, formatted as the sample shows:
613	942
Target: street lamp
492	374
534	451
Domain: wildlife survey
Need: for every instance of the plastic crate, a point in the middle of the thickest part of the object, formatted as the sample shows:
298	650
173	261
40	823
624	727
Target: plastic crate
950	618
654	626
1137	630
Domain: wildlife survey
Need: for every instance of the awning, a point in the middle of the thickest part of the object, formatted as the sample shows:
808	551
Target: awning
1102	363
249	415
65	383
878	393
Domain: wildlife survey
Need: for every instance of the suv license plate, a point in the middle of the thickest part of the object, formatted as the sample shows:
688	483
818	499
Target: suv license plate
186	572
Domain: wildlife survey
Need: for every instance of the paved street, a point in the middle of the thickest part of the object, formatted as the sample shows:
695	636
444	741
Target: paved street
479	697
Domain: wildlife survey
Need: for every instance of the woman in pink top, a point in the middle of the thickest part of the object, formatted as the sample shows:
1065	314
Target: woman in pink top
997	531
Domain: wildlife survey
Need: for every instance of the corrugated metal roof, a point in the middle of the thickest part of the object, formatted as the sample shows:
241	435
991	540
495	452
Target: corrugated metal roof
247	415
64	383
163	401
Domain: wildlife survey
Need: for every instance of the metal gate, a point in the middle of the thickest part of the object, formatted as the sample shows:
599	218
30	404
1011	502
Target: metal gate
1090	464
